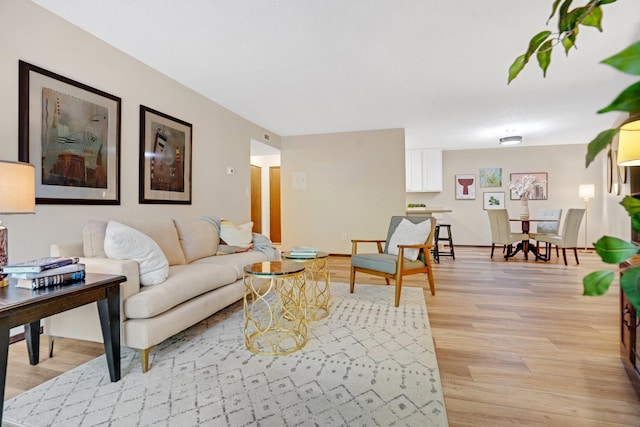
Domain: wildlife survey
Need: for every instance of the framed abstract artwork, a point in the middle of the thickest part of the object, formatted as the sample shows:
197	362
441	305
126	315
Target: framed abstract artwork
165	158
70	132
465	187
490	177
493	200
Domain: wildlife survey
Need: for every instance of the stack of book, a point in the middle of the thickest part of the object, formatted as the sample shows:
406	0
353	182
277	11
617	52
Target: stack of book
44	272
304	251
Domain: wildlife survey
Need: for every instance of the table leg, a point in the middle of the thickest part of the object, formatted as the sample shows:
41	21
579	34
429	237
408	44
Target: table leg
109	310
32	338
4	355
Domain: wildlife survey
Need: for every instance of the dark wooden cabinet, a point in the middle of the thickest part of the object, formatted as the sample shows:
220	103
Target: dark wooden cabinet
629	320
630	338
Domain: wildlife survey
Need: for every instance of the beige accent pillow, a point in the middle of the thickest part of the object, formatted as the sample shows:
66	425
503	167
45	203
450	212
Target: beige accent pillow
408	233
236	235
165	234
199	239
124	242
93	238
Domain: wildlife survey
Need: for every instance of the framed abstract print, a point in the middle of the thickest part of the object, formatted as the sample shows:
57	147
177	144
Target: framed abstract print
70	132
165	158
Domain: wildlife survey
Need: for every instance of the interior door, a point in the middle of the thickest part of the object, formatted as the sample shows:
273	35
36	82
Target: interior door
256	198
274	208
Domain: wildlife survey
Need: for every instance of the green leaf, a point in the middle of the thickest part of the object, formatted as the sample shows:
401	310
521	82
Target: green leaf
597	283
629	283
627	61
614	251
517	66
563	23
536	41
628	100
554	8
599	143
631	205
544	56
594	19
606	2
568	41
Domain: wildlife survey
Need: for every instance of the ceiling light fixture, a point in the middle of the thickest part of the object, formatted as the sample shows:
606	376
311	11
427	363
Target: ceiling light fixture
510	140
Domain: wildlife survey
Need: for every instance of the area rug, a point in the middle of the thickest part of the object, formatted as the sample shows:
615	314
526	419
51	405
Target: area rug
367	364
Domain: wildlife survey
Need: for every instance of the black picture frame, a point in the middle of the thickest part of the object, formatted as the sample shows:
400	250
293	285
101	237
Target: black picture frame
70	132
165	158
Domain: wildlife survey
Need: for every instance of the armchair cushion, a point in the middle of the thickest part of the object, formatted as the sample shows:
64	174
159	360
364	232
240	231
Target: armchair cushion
408	233
382	262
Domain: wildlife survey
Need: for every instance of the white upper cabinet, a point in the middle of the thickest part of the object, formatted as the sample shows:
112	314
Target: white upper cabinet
424	170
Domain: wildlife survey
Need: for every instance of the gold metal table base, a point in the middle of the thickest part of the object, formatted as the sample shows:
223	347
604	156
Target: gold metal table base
317	284
275	308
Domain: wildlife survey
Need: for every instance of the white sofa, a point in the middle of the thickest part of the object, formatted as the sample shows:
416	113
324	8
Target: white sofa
201	281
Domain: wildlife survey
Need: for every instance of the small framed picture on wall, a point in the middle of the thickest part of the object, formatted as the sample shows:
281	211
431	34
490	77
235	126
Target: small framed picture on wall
465	187
493	200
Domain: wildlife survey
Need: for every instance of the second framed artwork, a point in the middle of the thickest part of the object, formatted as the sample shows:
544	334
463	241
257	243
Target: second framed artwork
493	200
165	158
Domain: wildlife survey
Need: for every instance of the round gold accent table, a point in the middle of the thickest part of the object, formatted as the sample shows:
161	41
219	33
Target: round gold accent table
275	304
318	291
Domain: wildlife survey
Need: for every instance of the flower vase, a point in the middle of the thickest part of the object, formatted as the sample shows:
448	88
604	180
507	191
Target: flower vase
524	208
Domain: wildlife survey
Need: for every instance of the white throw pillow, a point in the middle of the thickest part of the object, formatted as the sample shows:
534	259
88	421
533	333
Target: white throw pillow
236	235
408	233
124	242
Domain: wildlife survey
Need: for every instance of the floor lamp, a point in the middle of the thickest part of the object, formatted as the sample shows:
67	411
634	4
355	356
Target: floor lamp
17	196
586	192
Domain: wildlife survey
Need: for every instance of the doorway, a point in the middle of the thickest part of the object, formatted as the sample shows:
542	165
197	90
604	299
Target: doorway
274	207
256	198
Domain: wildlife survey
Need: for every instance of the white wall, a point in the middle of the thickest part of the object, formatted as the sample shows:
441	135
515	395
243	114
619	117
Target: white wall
220	137
565	165
354	183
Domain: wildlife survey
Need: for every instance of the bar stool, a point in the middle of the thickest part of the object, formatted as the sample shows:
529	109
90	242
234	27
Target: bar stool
437	253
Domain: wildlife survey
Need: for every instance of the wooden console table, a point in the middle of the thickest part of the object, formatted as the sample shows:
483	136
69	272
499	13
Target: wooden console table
26	307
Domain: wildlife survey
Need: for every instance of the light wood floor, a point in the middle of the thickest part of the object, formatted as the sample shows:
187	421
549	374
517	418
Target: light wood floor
517	343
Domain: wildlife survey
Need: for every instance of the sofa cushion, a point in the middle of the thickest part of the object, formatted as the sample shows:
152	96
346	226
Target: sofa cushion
164	232
124	242
93	238
198	238
236	235
184	283
235	261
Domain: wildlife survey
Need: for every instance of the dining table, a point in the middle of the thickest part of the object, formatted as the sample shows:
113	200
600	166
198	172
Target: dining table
524	245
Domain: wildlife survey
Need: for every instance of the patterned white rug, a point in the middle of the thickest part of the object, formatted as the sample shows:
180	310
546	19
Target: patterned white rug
367	364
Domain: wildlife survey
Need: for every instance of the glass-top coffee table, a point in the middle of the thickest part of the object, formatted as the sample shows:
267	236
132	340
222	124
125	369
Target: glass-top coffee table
275	306
317	288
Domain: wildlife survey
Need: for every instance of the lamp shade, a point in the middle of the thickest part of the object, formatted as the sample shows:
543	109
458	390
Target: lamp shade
586	191
629	144
17	188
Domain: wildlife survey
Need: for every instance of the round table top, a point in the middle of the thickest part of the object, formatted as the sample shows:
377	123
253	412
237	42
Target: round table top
289	255
273	268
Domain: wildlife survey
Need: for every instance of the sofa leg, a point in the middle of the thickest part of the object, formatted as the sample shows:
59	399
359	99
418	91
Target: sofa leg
51	340
144	359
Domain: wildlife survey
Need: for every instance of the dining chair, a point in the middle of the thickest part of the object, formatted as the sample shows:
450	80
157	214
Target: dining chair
501	233
407	251
547	227
568	239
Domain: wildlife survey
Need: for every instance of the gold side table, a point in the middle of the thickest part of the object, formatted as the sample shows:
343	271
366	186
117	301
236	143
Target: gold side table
275	305
317	287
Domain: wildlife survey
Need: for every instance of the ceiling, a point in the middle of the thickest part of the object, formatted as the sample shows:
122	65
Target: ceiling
436	68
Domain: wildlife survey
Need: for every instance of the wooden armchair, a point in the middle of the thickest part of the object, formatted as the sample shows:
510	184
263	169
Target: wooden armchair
398	259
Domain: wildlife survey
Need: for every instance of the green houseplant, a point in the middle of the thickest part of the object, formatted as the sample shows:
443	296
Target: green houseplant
569	23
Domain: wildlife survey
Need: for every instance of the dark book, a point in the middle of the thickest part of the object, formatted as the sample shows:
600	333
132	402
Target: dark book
52	280
71	268
38	265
